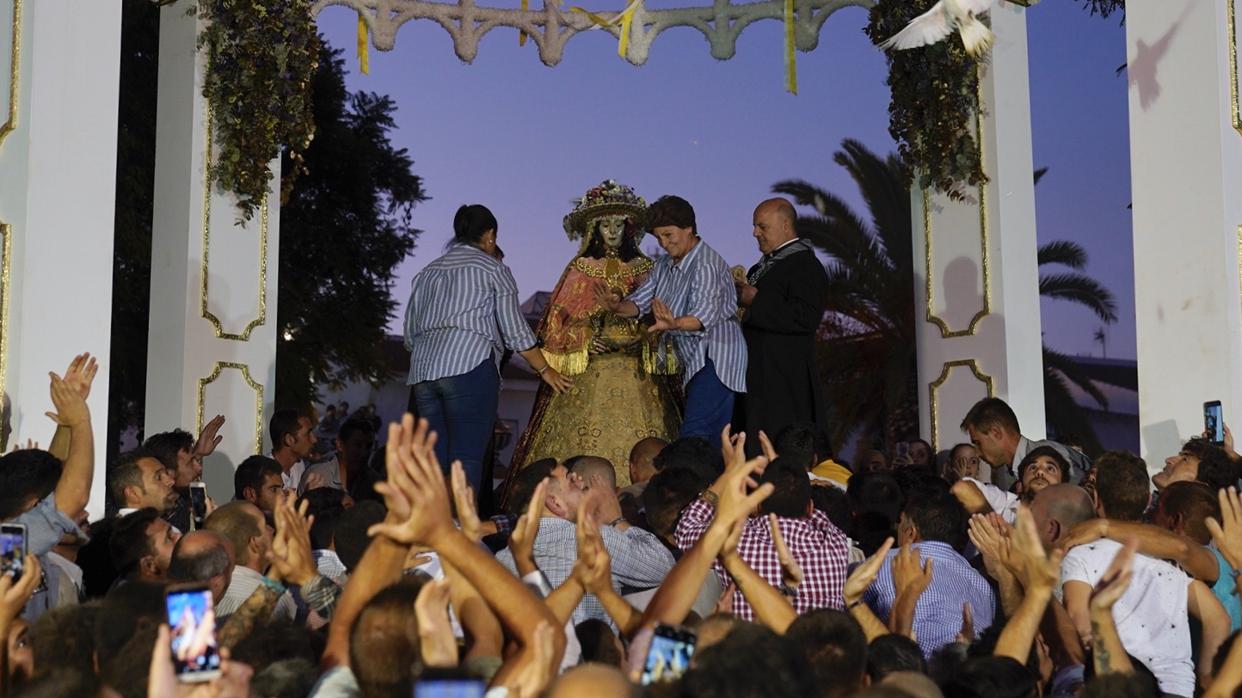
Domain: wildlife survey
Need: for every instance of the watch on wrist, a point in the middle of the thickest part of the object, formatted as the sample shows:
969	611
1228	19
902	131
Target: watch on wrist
710	497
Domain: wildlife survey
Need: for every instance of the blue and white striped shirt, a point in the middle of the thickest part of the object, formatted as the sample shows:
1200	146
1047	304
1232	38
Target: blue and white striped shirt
463	309
700	285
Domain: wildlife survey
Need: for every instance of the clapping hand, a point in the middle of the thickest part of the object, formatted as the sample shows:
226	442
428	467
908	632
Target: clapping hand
291	556
791	572
70	406
992	544
911	574
81	374
437	645
862	577
463	497
1227	533
1036	569
526	530
420	482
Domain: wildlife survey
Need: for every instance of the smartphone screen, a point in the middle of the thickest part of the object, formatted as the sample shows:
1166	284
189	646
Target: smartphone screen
12	549
669	655
1213	422
192	622
449	688
198	501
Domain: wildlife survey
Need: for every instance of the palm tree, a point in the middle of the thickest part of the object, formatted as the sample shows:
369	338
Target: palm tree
868	355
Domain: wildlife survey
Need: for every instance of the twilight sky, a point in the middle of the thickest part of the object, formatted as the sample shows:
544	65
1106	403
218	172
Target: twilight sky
525	139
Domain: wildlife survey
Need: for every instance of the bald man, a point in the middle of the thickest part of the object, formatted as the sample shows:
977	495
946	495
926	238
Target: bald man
784	297
1057	509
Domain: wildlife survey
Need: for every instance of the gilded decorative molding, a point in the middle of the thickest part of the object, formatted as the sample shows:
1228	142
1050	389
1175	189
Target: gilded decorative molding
947	332
6	254
258	399
933	400
15	72
207	315
1231	27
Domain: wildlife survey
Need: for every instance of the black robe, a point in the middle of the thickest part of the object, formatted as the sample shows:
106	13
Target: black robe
783	383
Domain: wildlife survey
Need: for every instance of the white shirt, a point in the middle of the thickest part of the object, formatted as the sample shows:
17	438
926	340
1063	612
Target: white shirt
292	479
242	585
1150	616
1002	502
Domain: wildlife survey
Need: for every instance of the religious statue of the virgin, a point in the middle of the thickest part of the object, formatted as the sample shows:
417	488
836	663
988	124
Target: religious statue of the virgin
625	386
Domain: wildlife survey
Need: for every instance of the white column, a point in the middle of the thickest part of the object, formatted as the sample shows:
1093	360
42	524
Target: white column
976	279
212	345
59	76
1186	179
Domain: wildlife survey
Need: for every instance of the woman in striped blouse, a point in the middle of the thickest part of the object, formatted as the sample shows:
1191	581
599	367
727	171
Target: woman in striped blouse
463	315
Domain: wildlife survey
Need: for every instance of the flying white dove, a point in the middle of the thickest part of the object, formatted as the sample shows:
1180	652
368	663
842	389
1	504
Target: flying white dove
943	19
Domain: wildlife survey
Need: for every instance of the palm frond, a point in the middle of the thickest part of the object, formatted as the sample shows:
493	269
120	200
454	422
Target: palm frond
1056	362
882	184
1064	252
1081	289
1039	174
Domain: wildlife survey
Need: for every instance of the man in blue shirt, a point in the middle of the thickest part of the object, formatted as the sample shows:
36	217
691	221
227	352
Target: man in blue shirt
691	295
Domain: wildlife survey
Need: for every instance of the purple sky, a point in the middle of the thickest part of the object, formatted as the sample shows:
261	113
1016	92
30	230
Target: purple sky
525	139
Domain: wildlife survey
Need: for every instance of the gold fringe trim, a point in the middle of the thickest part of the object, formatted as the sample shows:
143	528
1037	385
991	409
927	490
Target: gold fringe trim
652	363
572	364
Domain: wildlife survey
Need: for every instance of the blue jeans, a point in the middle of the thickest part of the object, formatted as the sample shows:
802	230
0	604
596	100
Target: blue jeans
462	410
709	406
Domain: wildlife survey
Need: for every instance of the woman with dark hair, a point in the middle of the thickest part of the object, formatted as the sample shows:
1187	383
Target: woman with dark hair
462	316
622	393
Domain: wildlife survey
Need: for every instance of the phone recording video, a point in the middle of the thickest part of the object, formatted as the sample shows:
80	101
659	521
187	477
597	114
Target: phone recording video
13	549
192	625
198	502
1214	422
669	655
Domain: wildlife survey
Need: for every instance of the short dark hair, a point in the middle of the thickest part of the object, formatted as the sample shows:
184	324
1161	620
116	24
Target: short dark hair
690	452
524	484
834	503
283	423
323	528
1047	452
200	566
939	517
129	542
350	534
985	677
804	442
598	642
25	474
892	652
667	493
671	210
1122	485
322	499
235	522
124	611
251	473
167	445
773	666
384	643
990	412
126	473
63	638
354	425
791	489
835	647
1196	502
1216	470
875	492
470	223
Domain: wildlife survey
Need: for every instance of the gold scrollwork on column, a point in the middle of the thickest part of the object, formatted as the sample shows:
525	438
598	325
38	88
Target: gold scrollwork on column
945	331
933	400
15	72
6	254
1231	28
258	398
207	315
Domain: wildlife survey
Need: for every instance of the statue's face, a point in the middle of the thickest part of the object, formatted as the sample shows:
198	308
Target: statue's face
612	230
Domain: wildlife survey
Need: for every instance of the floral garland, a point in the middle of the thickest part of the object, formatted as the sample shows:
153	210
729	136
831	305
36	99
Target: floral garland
935	99
262	56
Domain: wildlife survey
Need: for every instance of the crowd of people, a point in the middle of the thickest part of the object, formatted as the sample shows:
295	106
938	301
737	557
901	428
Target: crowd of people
791	573
717	562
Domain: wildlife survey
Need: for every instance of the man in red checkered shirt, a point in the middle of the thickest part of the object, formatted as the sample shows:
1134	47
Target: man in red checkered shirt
818	547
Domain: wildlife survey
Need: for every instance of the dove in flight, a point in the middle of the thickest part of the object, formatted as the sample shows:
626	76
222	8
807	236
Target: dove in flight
943	19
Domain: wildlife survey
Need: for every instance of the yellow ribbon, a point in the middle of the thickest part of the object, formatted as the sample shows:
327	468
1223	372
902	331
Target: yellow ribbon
522	34
625	19
791	61
364	59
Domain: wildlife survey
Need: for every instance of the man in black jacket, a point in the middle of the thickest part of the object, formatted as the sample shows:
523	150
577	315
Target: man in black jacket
783	297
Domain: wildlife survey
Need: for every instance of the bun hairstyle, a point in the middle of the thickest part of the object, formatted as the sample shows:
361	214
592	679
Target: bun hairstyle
471	222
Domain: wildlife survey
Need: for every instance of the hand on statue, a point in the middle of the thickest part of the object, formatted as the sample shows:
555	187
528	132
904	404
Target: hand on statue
608	299
555	380
597	347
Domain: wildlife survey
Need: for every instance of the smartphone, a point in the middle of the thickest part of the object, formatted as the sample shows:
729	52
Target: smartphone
13	549
192	626
450	688
1213	422
198	502
669	655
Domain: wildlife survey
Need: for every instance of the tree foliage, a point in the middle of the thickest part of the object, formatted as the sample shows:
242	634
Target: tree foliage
343	230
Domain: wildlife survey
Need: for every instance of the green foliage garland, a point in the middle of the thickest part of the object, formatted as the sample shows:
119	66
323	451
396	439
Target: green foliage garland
935	101
262	55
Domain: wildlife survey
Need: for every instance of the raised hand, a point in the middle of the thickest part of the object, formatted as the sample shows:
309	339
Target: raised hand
1035	568
420	482
70	406
463	497
209	437
81	374
966	634
526	530
911	575
437	645
291	556
863	575
535	674
403	439
1227	533
765	444
791	572
664	319
736	501
608	507
1116	579
732	447
992	545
